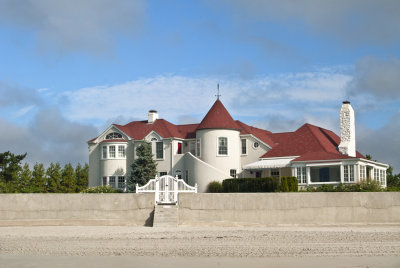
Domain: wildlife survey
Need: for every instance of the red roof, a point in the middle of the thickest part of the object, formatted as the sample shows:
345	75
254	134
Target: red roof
309	142
261	134
218	117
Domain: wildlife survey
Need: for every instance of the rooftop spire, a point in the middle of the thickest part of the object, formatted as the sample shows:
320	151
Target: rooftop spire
218	95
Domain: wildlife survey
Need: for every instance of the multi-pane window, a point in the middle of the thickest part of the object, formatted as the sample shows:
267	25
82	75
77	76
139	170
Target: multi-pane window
121	151
192	147
159	150
348	172
363	172
179	151
111	151
376	174
113	136
121	182
163	173
275	173
233	173
222	146
244	146
104	151
111	181
301	175
104	181
198	147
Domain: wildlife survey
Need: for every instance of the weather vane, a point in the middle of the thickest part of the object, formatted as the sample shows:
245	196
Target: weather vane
218	95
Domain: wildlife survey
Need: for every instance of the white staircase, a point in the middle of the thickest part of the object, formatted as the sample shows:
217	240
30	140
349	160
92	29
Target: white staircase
165	216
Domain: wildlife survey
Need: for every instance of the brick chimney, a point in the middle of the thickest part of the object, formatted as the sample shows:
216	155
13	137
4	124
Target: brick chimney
347	144
152	116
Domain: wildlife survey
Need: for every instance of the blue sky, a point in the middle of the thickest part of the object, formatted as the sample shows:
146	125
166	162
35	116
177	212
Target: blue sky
68	69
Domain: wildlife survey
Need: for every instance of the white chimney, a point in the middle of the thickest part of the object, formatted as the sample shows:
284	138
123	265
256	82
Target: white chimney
152	117
347	144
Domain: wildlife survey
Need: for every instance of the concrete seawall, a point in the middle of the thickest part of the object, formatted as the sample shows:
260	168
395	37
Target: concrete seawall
289	208
76	209
227	209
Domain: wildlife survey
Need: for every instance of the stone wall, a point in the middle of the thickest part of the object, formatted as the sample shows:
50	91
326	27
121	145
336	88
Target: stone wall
230	209
76	209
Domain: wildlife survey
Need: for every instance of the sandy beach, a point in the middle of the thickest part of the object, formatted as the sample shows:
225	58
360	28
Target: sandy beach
107	246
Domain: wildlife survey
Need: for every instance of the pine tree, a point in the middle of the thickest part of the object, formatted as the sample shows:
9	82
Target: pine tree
38	179
53	174
10	166
144	167
82	177
25	180
68	179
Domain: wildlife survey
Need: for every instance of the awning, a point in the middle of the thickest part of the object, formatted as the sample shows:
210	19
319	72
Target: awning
269	163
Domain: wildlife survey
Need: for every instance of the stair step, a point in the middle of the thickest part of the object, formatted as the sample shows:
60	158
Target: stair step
165	216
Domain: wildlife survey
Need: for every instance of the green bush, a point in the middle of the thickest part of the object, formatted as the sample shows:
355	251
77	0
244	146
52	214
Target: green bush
363	186
292	184
99	189
214	187
284	185
251	185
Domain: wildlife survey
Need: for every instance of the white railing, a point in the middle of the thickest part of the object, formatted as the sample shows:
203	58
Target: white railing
166	189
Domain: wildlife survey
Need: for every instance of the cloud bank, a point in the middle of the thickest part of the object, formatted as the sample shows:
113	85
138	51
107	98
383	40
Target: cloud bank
74	25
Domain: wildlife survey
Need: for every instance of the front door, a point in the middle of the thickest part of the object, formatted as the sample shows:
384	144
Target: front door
166	190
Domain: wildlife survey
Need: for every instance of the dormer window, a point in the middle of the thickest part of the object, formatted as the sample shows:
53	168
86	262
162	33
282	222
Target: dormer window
113	136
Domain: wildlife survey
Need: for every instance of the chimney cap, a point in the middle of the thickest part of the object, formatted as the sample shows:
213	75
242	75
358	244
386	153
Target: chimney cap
152	111
346	102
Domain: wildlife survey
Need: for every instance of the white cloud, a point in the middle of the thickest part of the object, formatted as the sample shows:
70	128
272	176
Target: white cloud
24	110
74	25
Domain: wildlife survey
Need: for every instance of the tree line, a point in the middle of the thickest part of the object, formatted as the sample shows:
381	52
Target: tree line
18	178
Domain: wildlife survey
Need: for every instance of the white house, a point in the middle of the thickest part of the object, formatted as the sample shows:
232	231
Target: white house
220	147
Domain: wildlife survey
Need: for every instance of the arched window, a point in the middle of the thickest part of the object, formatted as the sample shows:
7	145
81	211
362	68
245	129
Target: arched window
113	136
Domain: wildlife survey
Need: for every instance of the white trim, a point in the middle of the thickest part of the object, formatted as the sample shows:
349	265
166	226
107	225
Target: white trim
116	129
227	146
155	133
254	137
241	146
107	145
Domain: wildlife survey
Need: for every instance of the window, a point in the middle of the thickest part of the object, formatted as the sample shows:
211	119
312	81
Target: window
232	172
256	145
179	151
222	146
376	174
192	147
363	172
121	182
244	147
301	175
111	151
104	152
348	172
104	181
275	173
325	174
159	150
113	136
198	147
258	174
112	181
178	173
163	173
121	151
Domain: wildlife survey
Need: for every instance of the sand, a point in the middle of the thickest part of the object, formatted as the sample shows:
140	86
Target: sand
117	246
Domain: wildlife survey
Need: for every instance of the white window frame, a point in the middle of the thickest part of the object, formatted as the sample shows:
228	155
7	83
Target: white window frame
275	170
227	146
348	173
162	147
192	147
177	148
116	152
301	174
232	173
198	147
245	146
104	152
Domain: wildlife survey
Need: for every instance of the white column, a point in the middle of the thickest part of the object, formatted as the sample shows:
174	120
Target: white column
308	175
341	173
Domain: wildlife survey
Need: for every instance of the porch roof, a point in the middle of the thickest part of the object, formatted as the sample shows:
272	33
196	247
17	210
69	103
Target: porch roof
269	163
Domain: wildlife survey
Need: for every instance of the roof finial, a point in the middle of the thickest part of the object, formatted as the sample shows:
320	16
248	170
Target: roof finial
218	95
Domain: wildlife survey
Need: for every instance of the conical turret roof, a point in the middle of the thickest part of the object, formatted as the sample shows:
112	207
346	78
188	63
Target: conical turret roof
218	117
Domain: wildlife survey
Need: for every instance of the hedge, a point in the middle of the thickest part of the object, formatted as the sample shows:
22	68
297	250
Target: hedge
253	185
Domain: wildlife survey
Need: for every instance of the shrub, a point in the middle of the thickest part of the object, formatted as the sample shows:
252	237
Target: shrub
99	189
250	185
363	186
284	185
293	184
214	187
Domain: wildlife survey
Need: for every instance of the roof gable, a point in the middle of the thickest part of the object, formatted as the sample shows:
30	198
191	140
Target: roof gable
218	117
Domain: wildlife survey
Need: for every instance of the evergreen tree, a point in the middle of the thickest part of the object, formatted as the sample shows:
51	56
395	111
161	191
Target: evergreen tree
82	177
10	166
53	174
25	180
38	179
68	179
144	167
